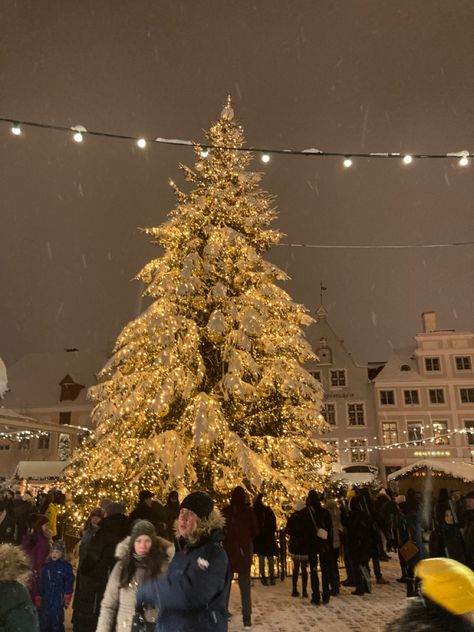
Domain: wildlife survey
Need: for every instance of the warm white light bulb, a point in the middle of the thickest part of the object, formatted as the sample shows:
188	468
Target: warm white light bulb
78	137
347	162
464	161
407	159
265	158
141	142
16	129
204	153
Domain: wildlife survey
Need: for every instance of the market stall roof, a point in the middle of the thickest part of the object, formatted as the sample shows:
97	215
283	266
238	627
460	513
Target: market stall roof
456	469
40	470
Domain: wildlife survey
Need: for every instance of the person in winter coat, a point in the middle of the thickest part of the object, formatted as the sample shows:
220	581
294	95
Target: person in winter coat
359	546
410	528
96	566
317	533
90	529
297	549
23	508
446	540
36	546
141	557
467	524
240	530
334	544
56	588
171	514
7	525
151	510
193	595
17	612
265	544
447	603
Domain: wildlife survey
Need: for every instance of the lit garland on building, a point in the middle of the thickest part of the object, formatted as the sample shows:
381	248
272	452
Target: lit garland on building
206	389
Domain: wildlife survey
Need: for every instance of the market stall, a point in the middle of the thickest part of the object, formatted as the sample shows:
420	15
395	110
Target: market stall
454	475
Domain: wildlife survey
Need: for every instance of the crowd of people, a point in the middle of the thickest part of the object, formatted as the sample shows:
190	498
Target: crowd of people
168	567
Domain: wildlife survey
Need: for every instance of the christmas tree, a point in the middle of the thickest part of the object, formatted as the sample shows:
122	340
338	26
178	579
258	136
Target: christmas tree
206	389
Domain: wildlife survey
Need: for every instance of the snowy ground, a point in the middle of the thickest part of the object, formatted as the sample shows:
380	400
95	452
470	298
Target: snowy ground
274	610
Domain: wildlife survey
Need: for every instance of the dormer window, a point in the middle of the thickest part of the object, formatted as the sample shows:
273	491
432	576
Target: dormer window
69	389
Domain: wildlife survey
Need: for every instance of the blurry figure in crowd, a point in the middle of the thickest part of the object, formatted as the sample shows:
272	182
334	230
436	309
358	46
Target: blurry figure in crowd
265	544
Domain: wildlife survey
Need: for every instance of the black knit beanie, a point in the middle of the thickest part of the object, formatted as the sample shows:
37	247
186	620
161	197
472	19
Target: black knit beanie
199	503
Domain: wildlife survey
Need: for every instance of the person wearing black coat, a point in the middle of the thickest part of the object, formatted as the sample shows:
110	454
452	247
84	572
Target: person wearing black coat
317	535
7	525
265	544
96	566
359	545
297	549
241	528
446	540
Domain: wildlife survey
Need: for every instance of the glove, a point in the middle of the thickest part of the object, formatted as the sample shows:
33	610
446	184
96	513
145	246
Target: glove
38	601
67	599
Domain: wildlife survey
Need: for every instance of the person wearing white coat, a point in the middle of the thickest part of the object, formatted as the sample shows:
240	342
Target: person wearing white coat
141	556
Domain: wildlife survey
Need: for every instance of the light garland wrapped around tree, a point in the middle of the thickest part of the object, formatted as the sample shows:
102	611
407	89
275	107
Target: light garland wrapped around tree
206	389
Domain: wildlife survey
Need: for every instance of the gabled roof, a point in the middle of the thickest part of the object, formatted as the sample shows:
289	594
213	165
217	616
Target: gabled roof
34	381
393	370
456	469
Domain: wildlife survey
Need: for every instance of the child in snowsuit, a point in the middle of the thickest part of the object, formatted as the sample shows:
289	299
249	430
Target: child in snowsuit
56	587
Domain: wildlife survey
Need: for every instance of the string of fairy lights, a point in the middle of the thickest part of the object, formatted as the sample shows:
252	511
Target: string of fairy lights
78	133
437	439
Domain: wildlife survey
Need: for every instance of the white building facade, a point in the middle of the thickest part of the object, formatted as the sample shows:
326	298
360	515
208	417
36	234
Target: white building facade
348	401
424	398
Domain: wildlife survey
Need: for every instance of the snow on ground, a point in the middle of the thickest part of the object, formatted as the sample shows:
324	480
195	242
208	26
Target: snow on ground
274	610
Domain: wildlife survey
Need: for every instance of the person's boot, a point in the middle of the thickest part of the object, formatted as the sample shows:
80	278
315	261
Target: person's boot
264	581
272	580
411	587
382	580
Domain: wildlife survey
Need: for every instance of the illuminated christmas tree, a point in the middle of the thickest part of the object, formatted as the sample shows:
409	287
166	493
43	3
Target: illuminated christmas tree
205	389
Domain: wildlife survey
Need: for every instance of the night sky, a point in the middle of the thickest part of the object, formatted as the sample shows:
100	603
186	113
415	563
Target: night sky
338	75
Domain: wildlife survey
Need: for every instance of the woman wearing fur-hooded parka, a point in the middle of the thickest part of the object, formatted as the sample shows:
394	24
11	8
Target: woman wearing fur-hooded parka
17	612
141	557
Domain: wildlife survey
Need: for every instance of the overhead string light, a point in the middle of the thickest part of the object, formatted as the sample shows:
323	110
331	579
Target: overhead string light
436	439
265	153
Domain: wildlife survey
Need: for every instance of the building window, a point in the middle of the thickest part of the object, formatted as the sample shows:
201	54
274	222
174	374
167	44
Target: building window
43	442
24	444
387	398
469	425
389	432
316	375
415	432
358	450
467	395
355	414
436	395
338	377
432	364
65	418
4	446
411	397
333	446
440	430
463	363
329	413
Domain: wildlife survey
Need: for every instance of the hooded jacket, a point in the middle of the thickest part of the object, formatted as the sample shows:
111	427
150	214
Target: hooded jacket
118	604
17	613
94	571
192	597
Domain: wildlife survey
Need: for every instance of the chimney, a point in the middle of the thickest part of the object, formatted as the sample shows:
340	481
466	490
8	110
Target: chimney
429	322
